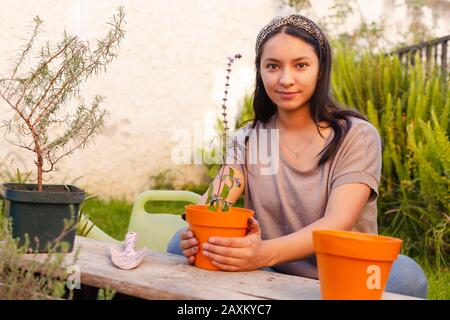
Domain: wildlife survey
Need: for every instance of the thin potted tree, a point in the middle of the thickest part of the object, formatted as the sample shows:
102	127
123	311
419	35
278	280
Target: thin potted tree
39	93
217	217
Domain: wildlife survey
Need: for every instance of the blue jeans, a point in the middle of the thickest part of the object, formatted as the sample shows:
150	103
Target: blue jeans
406	276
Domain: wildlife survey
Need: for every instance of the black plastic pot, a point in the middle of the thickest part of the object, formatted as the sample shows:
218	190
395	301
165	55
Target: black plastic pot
41	215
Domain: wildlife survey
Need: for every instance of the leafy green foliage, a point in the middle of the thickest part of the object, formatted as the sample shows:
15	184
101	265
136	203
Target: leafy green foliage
409	106
165	179
83	229
246	113
22	279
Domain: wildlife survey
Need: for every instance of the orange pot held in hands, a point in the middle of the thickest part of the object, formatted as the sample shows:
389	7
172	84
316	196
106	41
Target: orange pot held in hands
205	224
354	265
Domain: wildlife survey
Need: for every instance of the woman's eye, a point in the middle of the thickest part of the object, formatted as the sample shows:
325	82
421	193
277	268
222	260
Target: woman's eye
301	65
271	66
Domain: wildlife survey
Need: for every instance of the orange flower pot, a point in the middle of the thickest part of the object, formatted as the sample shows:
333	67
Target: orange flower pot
354	265
205	224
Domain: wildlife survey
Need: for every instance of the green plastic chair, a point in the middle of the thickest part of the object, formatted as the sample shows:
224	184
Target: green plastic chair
154	229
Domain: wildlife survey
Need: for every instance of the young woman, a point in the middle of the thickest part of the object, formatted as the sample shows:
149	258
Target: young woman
328	171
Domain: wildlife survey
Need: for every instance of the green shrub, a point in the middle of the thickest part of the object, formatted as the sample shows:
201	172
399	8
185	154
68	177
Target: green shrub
246	113
21	279
165	179
409	104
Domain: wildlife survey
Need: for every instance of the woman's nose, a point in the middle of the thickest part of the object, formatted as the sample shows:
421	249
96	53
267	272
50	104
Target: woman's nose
286	78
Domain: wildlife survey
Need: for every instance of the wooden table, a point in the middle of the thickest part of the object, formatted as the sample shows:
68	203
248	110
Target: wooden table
168	276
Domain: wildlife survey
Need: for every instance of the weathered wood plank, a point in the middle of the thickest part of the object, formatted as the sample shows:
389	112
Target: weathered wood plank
167	276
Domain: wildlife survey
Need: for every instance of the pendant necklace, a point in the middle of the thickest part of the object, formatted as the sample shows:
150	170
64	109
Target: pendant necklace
295	153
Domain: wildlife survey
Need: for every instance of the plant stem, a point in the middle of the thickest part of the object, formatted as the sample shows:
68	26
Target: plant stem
225	130
39	165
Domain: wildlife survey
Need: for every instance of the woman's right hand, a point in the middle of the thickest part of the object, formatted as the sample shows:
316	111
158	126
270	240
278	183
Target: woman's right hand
189	245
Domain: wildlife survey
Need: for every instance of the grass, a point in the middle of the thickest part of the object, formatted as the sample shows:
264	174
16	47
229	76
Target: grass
113	216
438	281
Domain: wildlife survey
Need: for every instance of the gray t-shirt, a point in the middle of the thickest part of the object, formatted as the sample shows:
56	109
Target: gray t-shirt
286	199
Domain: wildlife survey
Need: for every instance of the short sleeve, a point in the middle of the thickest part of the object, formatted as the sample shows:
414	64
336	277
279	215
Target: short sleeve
359	161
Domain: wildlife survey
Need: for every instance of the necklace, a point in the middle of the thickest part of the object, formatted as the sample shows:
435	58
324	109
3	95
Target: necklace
295	153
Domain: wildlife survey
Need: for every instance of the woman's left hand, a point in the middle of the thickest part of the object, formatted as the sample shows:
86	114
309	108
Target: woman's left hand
238	254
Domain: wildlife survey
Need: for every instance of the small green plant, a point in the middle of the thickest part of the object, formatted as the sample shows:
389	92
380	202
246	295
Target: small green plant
39	96
28	277
106	294
217	198
83	229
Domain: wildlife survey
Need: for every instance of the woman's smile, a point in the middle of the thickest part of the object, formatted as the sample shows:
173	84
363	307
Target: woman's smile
288	94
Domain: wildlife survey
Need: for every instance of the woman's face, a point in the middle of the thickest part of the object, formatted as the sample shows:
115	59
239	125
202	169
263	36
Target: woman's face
289	70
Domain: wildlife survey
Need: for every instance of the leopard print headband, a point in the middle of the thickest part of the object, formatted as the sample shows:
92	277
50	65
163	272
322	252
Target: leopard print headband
296	20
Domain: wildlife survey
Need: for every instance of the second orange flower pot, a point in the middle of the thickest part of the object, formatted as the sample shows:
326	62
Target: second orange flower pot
353	265
205	224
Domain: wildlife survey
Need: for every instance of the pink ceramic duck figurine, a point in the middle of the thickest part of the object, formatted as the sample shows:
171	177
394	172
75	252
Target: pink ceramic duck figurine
129	258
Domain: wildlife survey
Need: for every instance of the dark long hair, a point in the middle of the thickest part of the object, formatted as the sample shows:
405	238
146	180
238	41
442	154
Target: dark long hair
322	106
